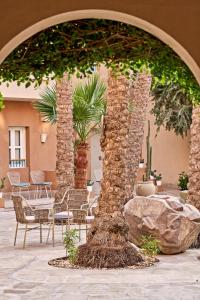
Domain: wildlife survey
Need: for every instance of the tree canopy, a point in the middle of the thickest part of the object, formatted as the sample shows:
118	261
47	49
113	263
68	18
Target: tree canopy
172	109
76	46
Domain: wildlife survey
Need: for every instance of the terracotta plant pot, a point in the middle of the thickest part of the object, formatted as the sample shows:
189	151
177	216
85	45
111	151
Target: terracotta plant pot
184	195
145	188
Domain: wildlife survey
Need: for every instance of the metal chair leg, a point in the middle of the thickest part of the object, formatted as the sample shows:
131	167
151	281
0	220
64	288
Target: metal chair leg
86	231
53	233
25	235
29	196
48	233
40	233
46	192
50	191
16	230
79	229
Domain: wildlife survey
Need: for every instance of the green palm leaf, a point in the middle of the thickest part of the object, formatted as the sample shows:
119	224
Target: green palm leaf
89	105
47	104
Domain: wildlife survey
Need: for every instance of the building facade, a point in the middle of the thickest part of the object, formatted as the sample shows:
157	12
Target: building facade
28	143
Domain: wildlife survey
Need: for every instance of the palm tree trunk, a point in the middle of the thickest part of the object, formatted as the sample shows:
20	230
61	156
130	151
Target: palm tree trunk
107	244
194	160
139	94
65	138
81	164
194	165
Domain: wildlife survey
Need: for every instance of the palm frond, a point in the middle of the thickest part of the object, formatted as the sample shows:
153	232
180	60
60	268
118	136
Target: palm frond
89	105
47	104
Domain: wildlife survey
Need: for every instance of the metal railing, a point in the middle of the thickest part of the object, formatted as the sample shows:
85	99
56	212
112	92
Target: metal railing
17	163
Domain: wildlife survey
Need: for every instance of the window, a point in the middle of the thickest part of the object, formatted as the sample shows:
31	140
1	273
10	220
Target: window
17	147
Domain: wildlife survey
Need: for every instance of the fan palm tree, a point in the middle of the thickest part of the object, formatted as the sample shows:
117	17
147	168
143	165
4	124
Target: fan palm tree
88	107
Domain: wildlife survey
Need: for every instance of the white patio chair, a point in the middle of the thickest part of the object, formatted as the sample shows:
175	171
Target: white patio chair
38	180
16	184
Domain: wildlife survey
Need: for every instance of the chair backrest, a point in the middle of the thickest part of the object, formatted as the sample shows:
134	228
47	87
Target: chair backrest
37	176
76	198
14	178
19	209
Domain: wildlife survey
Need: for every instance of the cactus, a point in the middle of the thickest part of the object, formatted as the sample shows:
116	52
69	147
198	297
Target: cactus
149	154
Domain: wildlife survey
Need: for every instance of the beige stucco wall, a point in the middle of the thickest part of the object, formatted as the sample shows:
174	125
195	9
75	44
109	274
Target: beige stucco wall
41	156
170	152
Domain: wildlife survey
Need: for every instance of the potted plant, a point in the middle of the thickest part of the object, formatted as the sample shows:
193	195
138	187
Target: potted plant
146	187
158	179
2	184
183	185
141	164
152	175
89	185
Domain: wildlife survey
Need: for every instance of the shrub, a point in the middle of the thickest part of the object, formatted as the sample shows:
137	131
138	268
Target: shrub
149	245
69	242
183	181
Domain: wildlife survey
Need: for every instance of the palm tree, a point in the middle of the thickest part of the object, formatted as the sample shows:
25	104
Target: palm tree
107	242
194	158
65	137
139	95
88	107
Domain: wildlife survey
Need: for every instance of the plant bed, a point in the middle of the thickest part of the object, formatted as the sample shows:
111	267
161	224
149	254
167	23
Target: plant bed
63	262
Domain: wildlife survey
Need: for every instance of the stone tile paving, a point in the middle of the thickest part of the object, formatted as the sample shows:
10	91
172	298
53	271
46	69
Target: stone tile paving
25	274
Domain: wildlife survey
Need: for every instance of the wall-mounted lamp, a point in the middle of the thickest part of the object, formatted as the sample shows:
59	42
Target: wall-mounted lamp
43	137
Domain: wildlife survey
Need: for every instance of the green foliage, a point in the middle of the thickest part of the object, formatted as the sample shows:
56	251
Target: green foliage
158	177
89	105
172	108
183	181
69	242
149	245
77	46
2	182
90	183
1	102
47	104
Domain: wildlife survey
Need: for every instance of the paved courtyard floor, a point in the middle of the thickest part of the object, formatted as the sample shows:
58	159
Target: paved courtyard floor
25	273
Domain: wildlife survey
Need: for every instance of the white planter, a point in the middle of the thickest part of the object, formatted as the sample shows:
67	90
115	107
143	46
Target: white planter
89	188
159	182
141	165
145	188
151	177
184	195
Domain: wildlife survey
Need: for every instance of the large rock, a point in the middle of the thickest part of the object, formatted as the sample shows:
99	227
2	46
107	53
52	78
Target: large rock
174	224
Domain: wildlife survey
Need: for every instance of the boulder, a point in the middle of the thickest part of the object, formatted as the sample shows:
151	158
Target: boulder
174	224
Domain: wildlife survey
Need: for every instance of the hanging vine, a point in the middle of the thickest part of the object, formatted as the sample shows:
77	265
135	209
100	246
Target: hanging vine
76	46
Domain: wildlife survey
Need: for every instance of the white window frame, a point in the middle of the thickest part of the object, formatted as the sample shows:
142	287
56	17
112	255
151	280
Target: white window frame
22	146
